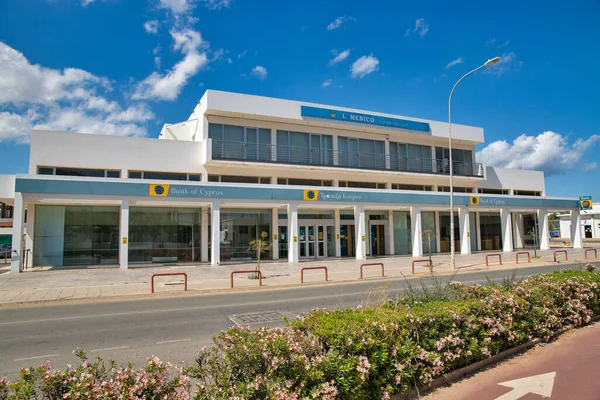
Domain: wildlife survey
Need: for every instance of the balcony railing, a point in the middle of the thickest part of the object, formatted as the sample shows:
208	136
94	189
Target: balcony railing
241	151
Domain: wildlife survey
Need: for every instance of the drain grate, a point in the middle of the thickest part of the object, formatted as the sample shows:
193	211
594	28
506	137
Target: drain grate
256	318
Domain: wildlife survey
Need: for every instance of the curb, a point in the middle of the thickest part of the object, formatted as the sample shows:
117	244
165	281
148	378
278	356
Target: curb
461	373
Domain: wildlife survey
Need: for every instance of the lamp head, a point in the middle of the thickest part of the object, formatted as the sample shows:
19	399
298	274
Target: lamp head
492	61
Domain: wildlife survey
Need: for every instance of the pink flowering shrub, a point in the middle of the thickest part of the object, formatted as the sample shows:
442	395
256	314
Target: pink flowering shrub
363	353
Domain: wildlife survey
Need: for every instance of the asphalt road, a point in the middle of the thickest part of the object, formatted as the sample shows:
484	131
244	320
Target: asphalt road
174	328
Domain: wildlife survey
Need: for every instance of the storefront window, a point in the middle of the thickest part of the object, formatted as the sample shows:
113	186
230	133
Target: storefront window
428	224
160	235
491	231
473	230
239	228
402	233
445	232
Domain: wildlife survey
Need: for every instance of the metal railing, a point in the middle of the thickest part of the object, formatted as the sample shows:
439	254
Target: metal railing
298	155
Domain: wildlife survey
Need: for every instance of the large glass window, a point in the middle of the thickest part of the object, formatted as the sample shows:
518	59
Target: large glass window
402	232
76	235
361	153
445	232
304	148
491	230
473	230
160	235
239	142
428	230
238	228
92	173
462	160
410	157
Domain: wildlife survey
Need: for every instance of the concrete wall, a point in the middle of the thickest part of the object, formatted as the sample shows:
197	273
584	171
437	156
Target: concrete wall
7	188
519	179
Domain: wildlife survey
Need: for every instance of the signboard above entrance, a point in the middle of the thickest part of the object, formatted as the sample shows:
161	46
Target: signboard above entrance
326	113
585	203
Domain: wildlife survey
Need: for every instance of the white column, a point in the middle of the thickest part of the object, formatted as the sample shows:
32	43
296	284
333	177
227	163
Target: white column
215	234
464	230
359	222
204	235
478	223
338	245
29	234
275	233
543	227
292	233
16	261
518	233
124	234
506	224
576	229
390	235
438	238
417	239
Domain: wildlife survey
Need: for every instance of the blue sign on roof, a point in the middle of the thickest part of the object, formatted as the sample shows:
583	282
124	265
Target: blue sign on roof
307	111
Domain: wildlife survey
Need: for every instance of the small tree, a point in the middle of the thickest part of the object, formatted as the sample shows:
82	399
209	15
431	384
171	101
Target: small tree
260	245
427	234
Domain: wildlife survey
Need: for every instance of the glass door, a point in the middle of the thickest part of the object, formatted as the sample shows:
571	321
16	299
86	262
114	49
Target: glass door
302	241
283	242
321	243
311	241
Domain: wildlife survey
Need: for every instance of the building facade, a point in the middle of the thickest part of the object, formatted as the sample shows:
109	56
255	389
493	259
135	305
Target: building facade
321	181
590	224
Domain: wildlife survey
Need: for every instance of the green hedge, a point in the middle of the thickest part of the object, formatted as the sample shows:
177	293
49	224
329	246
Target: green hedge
362	353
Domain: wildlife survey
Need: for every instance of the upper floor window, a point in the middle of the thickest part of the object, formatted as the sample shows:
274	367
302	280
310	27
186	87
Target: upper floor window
304	148
462	160
399	186
364	185
361	153
165	176
492	191
527	193
455	189
93	173
410	157
240	142
239	179
304	182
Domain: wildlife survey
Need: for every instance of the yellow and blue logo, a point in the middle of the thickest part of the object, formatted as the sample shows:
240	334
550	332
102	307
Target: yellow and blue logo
159	190
332	114
311	195
474	200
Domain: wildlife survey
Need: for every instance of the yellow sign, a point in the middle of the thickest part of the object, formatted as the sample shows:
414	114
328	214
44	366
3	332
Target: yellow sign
311	195
275	237
159	190
124	240
363	238
320	235
337	236
474	200
468	234
585	204
295	238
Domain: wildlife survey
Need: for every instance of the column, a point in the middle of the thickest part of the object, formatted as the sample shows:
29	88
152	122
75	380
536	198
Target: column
29	234
338	245
417	239
359	222
576	229
438	237
519	233
543	228
124	233
215	233
390	234
16	263
464	230
204	235
292	233
506	224
275	233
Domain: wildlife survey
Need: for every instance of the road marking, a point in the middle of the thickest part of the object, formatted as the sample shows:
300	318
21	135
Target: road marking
109	348
35	357
537	384
174	341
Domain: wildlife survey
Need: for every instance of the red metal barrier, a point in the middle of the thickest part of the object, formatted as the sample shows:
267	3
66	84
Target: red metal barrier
246	271
319	267
487	258
372	265
586	251
561	251
168	274
427	260
522	253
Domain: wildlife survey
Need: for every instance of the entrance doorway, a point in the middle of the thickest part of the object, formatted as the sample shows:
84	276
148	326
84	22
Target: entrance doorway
347	241
377	240
588	231
312	241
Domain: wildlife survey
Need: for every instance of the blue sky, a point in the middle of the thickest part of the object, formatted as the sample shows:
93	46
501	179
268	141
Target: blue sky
126	67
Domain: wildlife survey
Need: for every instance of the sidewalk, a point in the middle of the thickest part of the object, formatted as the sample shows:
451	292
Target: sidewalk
65	283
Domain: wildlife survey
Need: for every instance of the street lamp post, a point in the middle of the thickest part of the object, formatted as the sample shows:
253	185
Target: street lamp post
452	249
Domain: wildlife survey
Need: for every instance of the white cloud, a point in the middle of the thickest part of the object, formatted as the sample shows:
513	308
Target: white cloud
219	54
168	86
157	62
549	152
508	62
421	28
364	66
590	166
491	42
336	23
177	6
452	63
260	72
217	4
151	26
86	2
326	83
32	96
339	57
242	54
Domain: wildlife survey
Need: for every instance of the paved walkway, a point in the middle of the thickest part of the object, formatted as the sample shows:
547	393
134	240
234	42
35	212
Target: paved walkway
565	369
51	284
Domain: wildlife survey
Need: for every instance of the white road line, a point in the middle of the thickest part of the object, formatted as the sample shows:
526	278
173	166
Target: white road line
174	341
35	357
109	348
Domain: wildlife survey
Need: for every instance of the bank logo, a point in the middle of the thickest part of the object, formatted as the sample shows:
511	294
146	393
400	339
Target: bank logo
159	190
585	203
311	195
474	200
332	114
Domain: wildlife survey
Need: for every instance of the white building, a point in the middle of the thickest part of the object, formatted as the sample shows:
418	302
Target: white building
589	224
322	181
